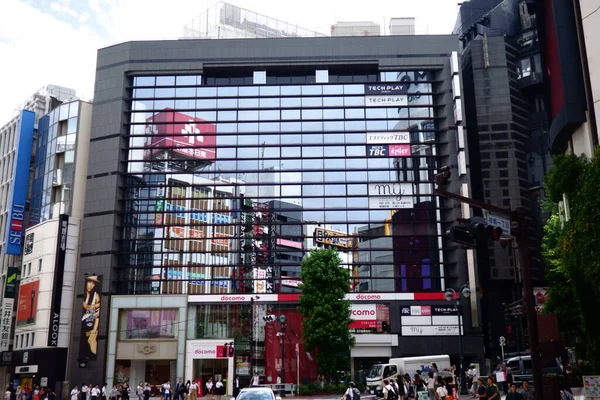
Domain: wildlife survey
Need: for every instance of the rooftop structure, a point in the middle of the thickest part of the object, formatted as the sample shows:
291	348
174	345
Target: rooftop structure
227	21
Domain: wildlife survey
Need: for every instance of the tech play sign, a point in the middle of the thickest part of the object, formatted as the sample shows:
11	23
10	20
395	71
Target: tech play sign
385	95
429	321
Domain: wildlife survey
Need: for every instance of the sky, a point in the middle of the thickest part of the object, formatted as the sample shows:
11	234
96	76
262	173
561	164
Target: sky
55	41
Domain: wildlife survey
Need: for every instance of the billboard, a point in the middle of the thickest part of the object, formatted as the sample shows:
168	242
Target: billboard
183	134
388	150
28	300
385	95
20	184
429	320
57	287
393	195
388	137
90	320
333	238
367	318
10	291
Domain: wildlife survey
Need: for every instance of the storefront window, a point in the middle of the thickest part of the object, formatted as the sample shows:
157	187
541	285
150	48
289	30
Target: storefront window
148	324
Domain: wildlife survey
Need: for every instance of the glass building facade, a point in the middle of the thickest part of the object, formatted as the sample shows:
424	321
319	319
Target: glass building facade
352	152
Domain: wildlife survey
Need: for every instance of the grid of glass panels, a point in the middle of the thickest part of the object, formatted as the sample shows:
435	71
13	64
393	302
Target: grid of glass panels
53	165
204	161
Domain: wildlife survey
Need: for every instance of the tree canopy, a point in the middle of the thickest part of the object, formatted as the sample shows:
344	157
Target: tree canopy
325	311
572	250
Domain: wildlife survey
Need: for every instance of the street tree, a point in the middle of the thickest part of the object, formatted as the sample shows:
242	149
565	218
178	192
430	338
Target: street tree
325	311
572	248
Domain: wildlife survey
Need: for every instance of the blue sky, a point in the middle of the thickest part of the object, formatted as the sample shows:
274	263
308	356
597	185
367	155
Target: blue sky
55	41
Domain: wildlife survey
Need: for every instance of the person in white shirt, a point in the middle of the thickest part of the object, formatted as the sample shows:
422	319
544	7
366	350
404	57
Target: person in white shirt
441	392
74	393
95	392
84	390
431	386
140	391
219	389
193	389
103	392
167	390
209	388
255	380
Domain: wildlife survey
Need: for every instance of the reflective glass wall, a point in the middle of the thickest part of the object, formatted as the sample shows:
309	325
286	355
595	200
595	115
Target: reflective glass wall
353	162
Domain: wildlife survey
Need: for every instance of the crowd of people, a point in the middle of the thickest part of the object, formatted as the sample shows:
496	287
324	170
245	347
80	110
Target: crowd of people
27	393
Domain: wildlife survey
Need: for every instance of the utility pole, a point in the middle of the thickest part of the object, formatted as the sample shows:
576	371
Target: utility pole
522	239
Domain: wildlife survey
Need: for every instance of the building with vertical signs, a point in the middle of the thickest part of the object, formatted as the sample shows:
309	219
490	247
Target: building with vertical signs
45	301
222	166
17	138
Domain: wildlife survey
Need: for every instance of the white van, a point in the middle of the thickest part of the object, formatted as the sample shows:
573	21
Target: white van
397	367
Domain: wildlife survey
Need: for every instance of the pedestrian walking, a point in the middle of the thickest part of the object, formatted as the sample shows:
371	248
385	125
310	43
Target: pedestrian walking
255	380
209	388
146	391
513	394
166	389
236	386
139	390
103	393
95	393
74	393
441	392
219	389
193	390
493	393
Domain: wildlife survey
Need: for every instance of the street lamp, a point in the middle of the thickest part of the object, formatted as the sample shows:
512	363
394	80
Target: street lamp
450	295
283	326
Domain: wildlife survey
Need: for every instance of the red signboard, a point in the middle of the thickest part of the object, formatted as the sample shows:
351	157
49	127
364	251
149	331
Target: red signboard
28	300
183	134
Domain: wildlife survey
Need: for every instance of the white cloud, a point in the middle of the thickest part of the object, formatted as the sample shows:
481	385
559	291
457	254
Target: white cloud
47	50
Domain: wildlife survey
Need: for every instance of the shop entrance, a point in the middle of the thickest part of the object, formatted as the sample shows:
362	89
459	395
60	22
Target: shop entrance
215	368
155	372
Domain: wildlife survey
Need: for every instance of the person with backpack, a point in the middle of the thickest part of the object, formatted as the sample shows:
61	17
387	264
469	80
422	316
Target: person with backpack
388	391
441	392
352	393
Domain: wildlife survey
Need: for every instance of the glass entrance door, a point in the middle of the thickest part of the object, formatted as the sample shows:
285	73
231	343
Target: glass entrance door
211	368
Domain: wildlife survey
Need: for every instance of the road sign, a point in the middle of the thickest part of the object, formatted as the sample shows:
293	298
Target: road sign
500	222
502	340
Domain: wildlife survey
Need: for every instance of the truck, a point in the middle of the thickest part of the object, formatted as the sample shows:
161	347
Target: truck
397	367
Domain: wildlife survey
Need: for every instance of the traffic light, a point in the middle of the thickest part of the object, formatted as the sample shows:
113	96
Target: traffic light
509	334
461	235
481	230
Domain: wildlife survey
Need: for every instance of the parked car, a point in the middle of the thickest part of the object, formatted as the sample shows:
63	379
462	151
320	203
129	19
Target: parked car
521	369
256	393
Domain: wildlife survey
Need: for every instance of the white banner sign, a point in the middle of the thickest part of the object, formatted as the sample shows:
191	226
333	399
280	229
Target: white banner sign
391	100
6	323
388	137
200	351
391	195
443	330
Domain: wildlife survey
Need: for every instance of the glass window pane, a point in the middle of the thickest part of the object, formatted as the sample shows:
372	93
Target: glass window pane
227	103
185	92
290	90
248	115
291	127
227	91
206	103
206	92
290	152
269	127
210	116
186	80
322	76
333	113
269	91
312	127
165	81
269	115
354	101
354	89
260	77
73	109
269	103
291	102
333	101
248	91
248	103
312	102
312	90
227	116
333	89
143	81
355	113
312	114
333	126
142	93
72	125
290	114
248	127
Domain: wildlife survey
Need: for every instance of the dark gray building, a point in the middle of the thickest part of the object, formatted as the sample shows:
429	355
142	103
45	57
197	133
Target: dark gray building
350	130
508	141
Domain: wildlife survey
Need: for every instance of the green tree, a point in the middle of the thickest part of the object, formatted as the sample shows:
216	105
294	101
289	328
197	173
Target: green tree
575	251
325	311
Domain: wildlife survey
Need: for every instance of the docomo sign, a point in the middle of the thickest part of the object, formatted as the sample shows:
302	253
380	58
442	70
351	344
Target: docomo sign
364	312
203	351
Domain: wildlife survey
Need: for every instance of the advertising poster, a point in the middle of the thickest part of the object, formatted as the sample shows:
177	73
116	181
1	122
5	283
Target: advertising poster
540	295
389	150
369	318
28	300
333	238
90	319
388	138
390	196
386	94
10	291
591	387
59	269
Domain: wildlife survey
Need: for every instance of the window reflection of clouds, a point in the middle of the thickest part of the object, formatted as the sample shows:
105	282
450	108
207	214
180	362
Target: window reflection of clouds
334	176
